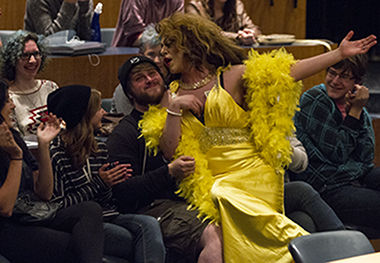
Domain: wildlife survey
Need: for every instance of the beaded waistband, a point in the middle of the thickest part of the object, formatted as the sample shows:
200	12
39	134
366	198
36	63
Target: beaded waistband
218	136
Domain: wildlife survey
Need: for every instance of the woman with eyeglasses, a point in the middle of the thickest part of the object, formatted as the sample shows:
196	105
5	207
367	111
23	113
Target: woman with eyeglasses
22	58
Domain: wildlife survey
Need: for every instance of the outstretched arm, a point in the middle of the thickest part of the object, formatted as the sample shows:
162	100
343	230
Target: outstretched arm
309	66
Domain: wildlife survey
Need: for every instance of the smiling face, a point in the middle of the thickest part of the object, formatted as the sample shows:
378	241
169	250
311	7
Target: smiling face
146	86
338	83
29	63
173	58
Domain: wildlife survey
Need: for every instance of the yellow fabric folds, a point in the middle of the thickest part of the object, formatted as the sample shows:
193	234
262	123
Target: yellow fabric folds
238	181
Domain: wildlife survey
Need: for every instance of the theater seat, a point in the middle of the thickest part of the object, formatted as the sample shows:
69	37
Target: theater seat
327	246
107	35
5	35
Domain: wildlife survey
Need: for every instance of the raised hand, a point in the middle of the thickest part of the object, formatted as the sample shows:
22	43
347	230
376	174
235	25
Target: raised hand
8	143
115	175
350	48
47	130
358	98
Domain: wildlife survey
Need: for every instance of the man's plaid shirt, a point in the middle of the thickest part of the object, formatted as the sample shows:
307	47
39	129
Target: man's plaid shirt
340	151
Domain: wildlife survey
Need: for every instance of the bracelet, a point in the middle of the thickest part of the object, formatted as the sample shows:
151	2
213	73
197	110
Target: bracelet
177	114
16	159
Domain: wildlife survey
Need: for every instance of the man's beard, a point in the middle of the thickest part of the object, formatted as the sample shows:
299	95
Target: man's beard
146	99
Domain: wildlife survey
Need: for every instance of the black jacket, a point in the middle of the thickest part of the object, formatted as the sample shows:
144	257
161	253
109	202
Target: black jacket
126	146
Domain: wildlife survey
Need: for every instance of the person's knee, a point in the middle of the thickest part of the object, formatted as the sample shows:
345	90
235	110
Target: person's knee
211	245
149	221
117	233
212	236
302	189
90	209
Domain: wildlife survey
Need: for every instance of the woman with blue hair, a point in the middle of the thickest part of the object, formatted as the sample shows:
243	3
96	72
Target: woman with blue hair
22	58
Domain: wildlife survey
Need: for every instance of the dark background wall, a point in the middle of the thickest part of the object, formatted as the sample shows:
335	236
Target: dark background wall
332	19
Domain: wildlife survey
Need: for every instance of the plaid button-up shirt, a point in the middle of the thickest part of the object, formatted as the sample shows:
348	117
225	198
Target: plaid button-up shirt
340	150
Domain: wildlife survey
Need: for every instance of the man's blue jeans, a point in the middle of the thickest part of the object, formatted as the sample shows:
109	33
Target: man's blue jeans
134	237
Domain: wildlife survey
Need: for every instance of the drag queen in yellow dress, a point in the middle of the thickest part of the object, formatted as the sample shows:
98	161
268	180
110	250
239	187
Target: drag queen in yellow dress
234	119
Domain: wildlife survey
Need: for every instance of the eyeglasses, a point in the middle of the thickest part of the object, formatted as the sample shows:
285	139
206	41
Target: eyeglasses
28	55
343	76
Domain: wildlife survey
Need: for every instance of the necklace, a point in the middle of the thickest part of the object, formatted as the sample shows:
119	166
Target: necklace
198	84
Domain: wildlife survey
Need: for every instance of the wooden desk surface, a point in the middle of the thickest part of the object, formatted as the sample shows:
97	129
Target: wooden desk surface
100	71
97	71
369	258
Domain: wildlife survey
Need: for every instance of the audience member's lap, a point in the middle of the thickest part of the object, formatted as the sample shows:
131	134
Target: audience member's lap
355	204
33	244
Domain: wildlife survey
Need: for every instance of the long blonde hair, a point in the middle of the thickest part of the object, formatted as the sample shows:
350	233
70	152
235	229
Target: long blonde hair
80	140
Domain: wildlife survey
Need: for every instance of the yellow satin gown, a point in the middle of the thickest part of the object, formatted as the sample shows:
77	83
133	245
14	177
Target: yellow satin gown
247	193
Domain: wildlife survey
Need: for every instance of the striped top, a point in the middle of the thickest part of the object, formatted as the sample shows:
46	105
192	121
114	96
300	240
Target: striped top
73	186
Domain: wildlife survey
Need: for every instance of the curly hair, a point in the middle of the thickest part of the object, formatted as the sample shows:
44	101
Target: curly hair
80	140
357	65
149	38
13	50
228	22
200	40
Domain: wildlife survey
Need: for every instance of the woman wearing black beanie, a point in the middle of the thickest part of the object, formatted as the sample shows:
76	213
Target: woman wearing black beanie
82	173
75	234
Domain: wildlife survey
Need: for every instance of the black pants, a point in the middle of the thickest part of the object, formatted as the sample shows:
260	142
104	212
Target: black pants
75	235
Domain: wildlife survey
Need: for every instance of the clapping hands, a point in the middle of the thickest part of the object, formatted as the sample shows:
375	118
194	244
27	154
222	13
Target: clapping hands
116	175
47	130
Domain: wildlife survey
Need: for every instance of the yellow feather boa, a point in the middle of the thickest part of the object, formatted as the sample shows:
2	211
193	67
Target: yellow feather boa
272	97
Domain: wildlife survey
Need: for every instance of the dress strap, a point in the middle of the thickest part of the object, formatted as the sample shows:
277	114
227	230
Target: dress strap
219	75
221	80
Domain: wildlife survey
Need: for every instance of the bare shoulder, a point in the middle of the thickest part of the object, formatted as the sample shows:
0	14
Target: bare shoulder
234	83
236	70
234	73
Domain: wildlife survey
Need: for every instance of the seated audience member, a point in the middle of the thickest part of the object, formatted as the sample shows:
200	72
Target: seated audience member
149	46
22	58
50	16
75	234
230	15
135	15
81	173
303	204
151	188
337	133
